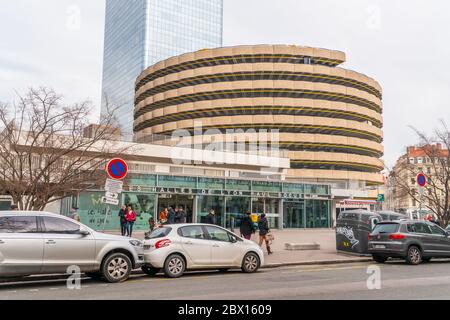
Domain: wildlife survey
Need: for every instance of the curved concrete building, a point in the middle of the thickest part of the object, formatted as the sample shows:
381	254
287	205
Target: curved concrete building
329	118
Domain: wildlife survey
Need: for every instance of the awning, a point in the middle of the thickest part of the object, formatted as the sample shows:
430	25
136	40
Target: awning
358	202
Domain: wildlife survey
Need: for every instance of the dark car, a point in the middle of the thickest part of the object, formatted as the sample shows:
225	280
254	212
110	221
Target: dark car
392	216
414	241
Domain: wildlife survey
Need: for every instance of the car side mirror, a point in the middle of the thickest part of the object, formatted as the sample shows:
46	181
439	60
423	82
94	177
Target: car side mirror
447	234
233	240
84	233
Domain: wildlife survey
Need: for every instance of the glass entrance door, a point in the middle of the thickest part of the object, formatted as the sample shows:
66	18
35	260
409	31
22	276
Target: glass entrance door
294	214
176	201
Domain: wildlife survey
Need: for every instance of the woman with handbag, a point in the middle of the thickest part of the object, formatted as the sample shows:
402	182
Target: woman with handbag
263	225
130	216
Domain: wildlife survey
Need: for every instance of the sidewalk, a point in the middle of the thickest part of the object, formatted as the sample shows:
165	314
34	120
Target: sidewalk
281	257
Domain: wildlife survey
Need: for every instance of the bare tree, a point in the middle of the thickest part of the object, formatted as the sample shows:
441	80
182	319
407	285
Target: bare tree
436	166
44	154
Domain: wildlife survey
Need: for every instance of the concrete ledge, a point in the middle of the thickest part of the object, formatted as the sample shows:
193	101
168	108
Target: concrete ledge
302	246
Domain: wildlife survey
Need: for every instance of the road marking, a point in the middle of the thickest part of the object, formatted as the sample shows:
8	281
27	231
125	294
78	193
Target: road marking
14	291
34	290
54	288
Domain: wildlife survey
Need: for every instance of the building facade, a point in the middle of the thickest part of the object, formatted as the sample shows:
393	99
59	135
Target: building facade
328	118
230	183
403	178
139	33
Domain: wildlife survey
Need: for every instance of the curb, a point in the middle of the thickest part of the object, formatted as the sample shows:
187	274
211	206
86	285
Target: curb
60	277
312	263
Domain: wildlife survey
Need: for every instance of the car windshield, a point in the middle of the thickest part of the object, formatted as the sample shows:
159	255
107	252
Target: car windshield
386	228
159	233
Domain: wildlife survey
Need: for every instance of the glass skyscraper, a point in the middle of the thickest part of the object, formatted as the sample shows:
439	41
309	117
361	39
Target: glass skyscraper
140	33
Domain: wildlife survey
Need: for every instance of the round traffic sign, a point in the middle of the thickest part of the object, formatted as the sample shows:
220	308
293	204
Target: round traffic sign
117	169
421	180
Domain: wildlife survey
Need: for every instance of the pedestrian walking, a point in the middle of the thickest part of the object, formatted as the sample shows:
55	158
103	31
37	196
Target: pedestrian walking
131	218
171	216
211	217
247	226
163	216
263	225
123	221
74	214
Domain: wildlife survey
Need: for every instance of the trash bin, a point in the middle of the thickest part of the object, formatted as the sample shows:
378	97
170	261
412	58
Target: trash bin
353	228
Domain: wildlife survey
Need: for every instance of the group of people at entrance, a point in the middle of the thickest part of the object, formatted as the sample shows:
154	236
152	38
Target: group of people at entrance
127	218
172	216
248	228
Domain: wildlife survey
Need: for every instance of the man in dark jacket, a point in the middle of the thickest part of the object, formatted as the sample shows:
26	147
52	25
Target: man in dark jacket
211	217
181	215
247	226
263	226
171	216
123	221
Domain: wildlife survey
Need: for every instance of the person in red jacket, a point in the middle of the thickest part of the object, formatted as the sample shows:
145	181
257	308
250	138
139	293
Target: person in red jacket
130	216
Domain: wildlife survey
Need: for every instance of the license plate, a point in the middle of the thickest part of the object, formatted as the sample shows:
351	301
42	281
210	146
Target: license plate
379	246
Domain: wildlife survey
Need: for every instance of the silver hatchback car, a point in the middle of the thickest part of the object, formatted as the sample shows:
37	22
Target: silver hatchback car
34	243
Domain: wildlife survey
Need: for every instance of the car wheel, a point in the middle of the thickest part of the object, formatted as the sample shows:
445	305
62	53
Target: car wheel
174	266
116	268
94	275
379	259
150	270
414	255
251	263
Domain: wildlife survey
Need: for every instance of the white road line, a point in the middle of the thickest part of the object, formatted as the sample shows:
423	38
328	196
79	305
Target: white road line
54	288
15	291
34	290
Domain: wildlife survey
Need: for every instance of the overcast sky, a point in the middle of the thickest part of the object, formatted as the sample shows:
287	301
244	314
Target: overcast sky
403	44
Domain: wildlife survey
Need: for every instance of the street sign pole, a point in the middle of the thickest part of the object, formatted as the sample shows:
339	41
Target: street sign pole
420	200
108	209
117	170
422	182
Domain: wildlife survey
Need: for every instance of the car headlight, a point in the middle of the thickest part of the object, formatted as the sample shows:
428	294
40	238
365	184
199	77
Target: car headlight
136	243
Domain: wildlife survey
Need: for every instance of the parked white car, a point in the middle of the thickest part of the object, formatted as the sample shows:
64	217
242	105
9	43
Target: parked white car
177	248
33	243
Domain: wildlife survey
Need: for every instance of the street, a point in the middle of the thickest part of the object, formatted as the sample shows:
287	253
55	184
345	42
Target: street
340	281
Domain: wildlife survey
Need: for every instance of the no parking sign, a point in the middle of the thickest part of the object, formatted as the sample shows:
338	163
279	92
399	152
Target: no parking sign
421	180
117	169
